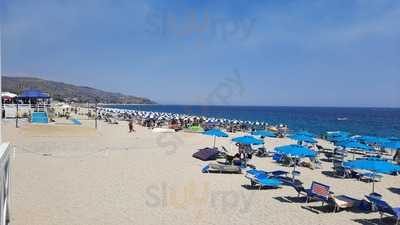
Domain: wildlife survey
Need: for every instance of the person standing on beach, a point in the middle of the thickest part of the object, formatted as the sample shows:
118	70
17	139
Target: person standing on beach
396	156
130	125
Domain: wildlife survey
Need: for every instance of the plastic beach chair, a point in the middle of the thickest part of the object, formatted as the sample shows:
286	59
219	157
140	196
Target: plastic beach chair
319	192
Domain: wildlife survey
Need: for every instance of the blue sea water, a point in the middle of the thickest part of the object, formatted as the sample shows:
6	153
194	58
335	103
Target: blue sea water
364	121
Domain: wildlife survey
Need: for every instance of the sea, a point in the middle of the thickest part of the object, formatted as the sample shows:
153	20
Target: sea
384	122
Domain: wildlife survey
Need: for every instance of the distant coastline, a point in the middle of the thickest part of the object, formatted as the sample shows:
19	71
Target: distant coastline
60	91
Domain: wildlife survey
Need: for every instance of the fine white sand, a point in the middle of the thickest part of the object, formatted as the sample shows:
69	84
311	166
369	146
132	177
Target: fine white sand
75	175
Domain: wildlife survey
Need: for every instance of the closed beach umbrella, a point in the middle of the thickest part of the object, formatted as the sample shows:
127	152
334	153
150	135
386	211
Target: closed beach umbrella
296	151
373	165
215	133
263	133
248	140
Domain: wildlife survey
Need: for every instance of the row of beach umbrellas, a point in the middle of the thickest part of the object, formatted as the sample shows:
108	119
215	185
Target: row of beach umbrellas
343	139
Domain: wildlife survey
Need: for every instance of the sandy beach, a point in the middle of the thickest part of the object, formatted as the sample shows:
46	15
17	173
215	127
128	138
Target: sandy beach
76	175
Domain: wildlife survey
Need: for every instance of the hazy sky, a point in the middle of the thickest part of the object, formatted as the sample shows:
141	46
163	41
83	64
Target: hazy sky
314	53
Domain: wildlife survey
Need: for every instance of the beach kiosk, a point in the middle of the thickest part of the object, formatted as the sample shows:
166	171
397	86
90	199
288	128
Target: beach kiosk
39	103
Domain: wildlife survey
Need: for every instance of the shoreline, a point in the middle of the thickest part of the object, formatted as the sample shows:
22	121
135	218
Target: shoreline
338	122
262	106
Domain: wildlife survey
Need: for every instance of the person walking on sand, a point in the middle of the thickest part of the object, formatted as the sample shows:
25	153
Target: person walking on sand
130	125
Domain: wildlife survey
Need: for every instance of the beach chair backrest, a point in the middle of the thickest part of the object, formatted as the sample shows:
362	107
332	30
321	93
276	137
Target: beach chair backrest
381	205
298	187
320	190
337	163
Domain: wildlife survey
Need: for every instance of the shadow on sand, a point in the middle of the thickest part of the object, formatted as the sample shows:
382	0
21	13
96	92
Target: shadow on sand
290	199
252	187
394	190
376	221
330	174
319	209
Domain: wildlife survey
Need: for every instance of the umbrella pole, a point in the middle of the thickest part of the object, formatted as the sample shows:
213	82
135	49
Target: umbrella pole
214	141
373	183
294	170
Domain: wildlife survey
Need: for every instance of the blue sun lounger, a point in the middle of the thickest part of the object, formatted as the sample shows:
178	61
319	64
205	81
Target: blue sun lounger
384	208
262	179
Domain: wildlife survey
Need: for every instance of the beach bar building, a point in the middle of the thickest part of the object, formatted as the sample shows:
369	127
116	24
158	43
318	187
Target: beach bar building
38	100
39	104
30	103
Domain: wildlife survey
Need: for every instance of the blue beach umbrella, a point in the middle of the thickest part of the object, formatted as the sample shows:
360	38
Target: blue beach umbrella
355	145
295	151
392	145
373	140
263	133
373	165
302	138
338	139
306	133
215	133
394	139
248	140
338	134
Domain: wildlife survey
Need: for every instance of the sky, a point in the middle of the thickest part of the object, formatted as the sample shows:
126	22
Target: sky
284	53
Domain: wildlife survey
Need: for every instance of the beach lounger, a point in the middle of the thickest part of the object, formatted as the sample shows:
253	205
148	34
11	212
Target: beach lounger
261	178
318	192
368	176
298	187
384	208
220	168
263	152
271	174
114	121
340	170
282	159
343	202
328	155
278	173
225	154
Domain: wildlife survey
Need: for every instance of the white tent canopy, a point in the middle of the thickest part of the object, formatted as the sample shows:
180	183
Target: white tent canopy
8	94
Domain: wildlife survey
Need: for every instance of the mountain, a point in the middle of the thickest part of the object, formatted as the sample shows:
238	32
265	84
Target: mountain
67	92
